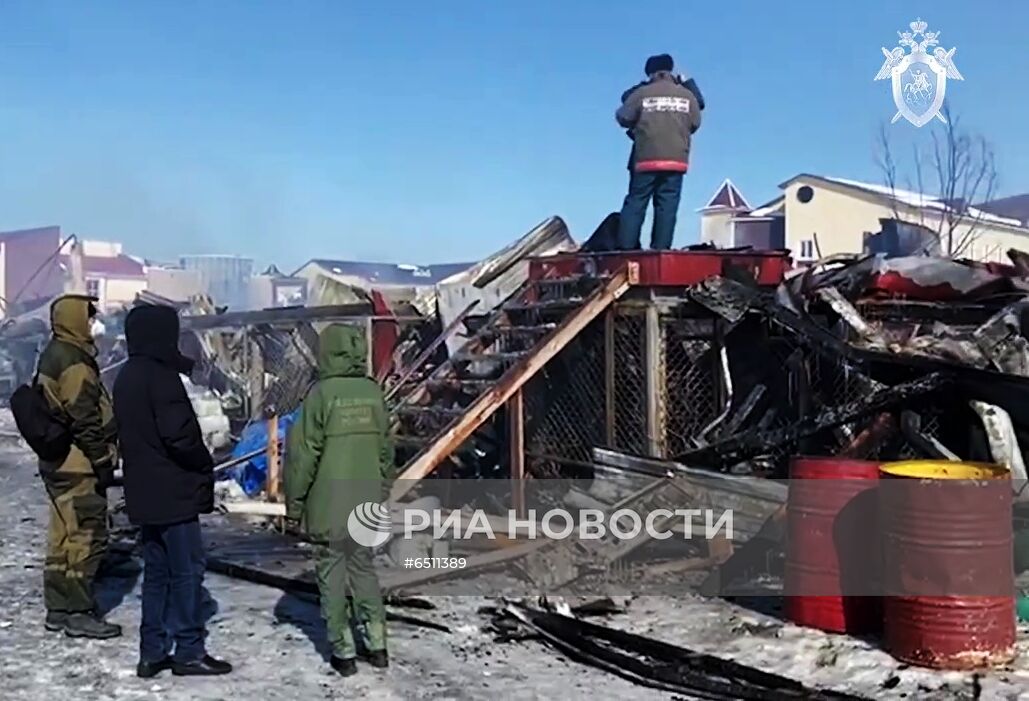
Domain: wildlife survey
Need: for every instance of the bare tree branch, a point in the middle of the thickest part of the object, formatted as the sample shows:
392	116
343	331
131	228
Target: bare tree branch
963	166
887	166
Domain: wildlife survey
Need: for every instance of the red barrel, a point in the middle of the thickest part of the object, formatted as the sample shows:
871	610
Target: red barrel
833	555
949	576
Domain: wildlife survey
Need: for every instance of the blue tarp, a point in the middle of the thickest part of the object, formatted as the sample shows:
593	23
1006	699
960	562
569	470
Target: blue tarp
252	475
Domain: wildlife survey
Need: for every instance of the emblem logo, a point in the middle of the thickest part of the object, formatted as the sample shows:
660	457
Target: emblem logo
919	78
370	524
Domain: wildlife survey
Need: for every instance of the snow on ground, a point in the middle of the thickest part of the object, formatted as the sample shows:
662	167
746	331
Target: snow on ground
277	641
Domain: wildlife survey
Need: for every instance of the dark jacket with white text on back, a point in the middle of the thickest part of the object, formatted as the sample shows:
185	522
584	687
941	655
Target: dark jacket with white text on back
662	116
688	83
168	470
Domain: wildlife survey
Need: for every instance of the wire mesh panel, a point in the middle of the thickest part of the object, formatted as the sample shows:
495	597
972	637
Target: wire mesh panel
289	365
565	403
691	380
629	382
595	392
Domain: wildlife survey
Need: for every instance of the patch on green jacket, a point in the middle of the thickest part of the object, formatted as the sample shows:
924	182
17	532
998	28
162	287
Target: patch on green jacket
350	415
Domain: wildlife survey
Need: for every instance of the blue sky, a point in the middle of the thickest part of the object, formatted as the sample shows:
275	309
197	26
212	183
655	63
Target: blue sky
428	132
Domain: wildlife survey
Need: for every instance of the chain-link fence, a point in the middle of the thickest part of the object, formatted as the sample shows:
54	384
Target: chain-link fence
258	370
565	404
691	380
628	338
595	392
288	358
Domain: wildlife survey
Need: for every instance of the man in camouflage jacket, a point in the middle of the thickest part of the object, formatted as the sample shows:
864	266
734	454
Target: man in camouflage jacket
76	486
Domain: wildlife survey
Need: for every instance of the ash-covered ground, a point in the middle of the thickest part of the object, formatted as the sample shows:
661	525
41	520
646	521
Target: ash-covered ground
276	641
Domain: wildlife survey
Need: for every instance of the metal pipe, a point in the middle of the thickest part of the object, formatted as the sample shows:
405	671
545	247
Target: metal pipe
723	357
235	462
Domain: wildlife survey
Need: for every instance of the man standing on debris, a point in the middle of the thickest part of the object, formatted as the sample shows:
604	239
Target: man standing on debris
340	456
661	115
77	486
169	482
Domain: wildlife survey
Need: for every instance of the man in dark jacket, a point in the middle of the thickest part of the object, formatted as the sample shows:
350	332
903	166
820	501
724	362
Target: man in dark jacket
76	487
661	116
169	482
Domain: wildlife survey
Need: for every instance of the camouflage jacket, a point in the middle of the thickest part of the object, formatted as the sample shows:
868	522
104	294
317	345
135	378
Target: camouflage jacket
70	379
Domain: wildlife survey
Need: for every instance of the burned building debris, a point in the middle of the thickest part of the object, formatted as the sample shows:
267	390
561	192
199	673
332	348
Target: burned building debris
640	381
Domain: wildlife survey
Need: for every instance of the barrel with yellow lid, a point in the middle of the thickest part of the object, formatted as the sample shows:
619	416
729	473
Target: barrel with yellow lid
947	563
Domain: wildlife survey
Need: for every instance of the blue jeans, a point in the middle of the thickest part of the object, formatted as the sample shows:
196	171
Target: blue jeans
664	187
173	581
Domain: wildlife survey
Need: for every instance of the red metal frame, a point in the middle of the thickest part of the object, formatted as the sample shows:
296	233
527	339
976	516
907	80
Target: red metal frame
667	268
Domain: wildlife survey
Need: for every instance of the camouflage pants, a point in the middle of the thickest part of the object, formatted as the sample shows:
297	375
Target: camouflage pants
76	541
350	595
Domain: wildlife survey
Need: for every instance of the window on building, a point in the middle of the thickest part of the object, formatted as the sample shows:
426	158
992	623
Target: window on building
93	288
807	249
805	194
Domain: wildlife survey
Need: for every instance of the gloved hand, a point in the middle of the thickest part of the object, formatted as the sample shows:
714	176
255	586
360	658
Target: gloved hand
291	526
104	472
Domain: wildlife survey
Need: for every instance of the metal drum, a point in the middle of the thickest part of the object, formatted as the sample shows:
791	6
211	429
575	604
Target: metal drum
833	554
948	572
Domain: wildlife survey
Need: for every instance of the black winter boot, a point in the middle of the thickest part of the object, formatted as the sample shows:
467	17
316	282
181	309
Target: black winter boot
149	670
89	625
346	667
376	658
206	666
55	620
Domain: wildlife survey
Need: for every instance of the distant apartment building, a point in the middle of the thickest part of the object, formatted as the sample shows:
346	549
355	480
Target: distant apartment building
30	269
107	273
273	289
174	283
226	278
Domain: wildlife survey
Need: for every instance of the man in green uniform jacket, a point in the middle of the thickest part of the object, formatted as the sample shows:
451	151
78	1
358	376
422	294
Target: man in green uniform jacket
76	487
340	455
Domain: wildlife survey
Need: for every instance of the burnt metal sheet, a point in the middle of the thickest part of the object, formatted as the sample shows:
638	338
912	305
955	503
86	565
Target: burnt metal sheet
660	665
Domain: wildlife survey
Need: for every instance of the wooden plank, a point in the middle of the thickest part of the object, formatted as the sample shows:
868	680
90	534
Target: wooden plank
253	508
274	479
516	445
609	377
654	382
513	380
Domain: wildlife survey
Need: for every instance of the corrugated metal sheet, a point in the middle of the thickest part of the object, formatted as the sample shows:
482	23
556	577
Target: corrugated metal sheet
391	274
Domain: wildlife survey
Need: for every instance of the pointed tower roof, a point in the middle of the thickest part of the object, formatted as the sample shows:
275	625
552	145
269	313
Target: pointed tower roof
728	196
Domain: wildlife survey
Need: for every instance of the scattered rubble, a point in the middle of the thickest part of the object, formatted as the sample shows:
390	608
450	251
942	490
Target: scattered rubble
636	381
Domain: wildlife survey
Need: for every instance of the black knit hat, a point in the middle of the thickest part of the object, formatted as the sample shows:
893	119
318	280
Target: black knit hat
656	64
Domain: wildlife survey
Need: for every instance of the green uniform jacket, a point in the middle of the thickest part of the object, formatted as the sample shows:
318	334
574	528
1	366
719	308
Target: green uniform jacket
339	452
71	383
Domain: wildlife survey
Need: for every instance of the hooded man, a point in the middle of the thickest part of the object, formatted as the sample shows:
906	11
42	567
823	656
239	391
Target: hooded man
340	456
661	116
77	537
169	482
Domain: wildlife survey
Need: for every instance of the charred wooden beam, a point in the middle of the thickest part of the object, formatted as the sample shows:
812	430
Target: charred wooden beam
661	665
740	447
